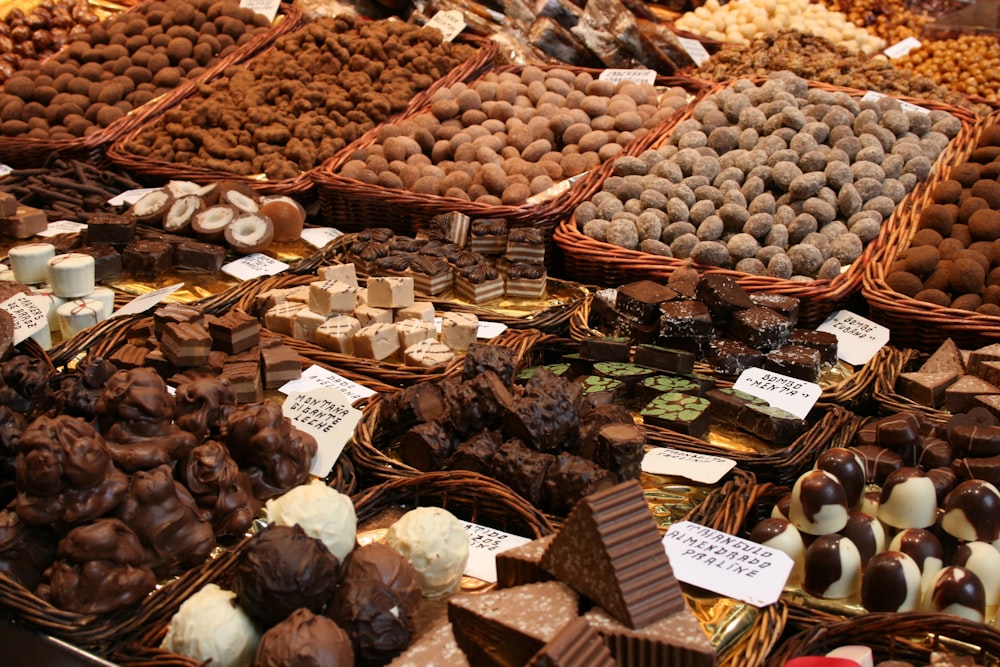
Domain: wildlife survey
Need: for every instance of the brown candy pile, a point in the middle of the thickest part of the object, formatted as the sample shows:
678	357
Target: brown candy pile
39	33
968	64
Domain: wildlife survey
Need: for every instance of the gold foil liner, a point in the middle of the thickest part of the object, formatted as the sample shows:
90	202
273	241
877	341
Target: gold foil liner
557	293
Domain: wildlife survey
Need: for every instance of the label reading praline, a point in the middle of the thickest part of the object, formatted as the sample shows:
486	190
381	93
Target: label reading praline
484	545
726	564
325	414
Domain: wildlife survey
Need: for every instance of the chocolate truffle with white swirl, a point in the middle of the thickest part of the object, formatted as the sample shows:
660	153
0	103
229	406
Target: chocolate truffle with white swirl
956	590
908	499
780	534
819	504
972	511
924	548
983	560
891	582
832	568
847	467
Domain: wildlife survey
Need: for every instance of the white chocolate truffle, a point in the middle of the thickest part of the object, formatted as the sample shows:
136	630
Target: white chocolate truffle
891	582
908	499
956	590
971	510
984	560
322	512
436	544
210	626
72	275
832	568
819	504
779	533
30	262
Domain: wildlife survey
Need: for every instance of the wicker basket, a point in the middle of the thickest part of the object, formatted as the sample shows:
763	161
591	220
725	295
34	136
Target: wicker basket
888	401
30	152
299	186
909	636
351	205
916	323
604	264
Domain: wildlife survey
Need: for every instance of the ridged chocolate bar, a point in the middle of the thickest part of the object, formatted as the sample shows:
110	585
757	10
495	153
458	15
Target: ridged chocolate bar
609	550
677	640
522	565
576	645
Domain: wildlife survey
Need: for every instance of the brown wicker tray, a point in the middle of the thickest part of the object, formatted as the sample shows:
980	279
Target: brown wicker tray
907	636
351	205
916	323
603	264
299	186
30	152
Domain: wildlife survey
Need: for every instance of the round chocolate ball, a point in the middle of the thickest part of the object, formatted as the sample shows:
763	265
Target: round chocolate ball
305	640
819	504
956	590
908	499
283	569
373	615
848	468
891	582
984	560
972	511
832	568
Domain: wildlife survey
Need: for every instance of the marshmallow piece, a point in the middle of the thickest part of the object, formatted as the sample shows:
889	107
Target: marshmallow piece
78	314
368	315
420	310
390	291
279	318
428	352
458	330
376	341
50	303
413	331
335	334
30	262
304	324
43	337
105	295
72	275
329	297
345	273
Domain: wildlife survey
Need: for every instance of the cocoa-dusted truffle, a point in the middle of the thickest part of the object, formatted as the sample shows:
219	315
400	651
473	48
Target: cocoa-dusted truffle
275	455
281	570
379	624
24	552
166	518
304	640
203	404
65	473
99	569
220	487
380	562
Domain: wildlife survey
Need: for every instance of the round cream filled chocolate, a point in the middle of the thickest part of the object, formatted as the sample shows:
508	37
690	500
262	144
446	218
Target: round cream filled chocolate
832	568
956	590
436	544
867	533
983	559
249	233
924	548
819	504
972	511
908	499
891	582
847	467
287	216
780	534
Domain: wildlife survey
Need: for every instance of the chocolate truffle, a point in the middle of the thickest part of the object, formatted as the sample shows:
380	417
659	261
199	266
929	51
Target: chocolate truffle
819	504
867	533
956	590
220	488
908	499
847	467
275	455
321	511
780	534
281	570
891	582
209	625
304	640
436	544
378	623
832	568
972	512
380	562
982	559
924	548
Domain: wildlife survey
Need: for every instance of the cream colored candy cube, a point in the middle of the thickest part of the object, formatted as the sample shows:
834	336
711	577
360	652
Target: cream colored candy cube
413	331
329	297
345	273
305	323
336	334
428	352
371	315
390	291
376	341
299	294
420	310
279	318
458	330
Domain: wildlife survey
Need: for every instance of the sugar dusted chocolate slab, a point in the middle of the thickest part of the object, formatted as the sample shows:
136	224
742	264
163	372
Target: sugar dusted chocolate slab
576	645
609	551
641	300
435	648
522	564
676	640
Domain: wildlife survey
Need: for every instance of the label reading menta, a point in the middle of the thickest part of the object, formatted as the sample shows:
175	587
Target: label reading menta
780	391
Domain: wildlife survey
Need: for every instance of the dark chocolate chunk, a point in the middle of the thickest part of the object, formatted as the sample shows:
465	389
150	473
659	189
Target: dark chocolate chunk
112	228
153	257
775	425
723	296
797	361
664	359
685	319
785	305
641	300
569	478
761	328
729	358
199	256
684	413
611	348
823	341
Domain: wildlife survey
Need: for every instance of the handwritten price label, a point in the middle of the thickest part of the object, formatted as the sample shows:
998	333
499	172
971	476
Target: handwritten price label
695	49
316	377
858	339
143	303
484	545
780	391
450	23
30	315
318	237
62	227
253	266
268	8
702	468
326	414
636	75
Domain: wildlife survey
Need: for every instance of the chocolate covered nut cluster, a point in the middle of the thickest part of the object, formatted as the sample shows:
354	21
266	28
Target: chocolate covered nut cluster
308	96
953	256
119	65
967	64
773	179
41	31
508	136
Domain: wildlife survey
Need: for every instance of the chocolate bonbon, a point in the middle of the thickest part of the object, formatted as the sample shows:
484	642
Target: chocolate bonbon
819	504
832	567
891	582
304	640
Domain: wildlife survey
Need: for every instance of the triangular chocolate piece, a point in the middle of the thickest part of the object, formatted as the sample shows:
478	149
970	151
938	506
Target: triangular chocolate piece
576	645
506	627
609	550
435	647
675	640
961	395
985	353
925	387
946	359
522	564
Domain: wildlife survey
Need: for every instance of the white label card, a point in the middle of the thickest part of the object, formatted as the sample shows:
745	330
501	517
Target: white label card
268	8
484	545
325	414
780	391
451	23
702	468
726	564
858	339
872	96
316	377
253	266
30	313
130	197
902	47
62	227
695	49
637	75
141	304
318	237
